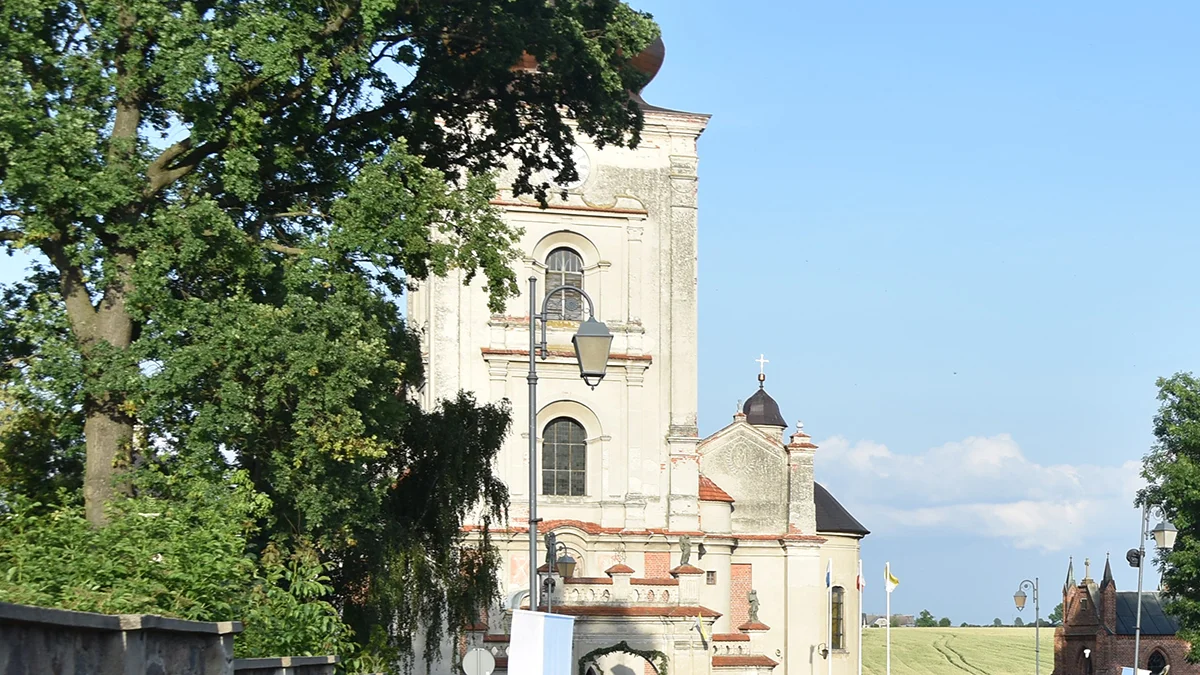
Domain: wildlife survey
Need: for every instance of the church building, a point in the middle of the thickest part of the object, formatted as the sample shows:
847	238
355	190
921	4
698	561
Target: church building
1098	625
693	555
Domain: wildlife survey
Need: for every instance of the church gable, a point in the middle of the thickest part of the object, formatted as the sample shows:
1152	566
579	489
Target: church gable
753	470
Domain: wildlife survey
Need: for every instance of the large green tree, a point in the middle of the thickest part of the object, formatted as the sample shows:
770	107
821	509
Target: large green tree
1172	469
227	197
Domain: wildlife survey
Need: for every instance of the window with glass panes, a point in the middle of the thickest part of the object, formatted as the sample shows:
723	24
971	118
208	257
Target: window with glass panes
564	267
838	638
564	458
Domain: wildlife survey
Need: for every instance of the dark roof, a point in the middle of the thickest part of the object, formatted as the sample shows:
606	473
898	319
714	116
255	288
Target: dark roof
763	410
832	516
1154	620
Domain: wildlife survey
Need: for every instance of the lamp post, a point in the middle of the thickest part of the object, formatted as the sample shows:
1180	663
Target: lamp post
592	342
1019	598
1164	538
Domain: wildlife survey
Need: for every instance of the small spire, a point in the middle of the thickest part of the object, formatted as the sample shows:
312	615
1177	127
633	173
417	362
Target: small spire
1108	577
1070	575
1087	570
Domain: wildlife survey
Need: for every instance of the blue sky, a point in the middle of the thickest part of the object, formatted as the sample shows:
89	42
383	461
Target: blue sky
965	236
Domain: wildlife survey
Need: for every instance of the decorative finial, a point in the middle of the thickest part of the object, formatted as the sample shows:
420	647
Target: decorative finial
762	375
800	427
1087	568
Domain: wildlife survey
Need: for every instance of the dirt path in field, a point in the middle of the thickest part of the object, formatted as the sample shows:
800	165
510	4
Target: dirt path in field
952	655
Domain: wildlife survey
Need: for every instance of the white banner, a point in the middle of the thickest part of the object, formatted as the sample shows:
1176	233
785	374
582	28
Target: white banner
541	643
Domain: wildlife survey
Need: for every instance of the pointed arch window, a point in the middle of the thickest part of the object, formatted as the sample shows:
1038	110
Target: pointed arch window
564	267
1157	662
838	619
564	458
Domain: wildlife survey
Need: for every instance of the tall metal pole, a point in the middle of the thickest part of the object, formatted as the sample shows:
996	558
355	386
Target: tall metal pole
1037	630
1037	618
1137	630
532	379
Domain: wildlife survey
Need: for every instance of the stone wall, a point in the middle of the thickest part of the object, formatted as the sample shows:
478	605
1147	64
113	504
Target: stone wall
39	641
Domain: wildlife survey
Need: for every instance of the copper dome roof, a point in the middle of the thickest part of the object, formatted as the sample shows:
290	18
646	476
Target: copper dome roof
761	409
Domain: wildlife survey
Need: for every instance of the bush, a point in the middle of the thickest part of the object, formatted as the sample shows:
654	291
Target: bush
180	549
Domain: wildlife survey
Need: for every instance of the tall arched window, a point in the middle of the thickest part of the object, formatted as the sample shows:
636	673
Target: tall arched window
564	267
838	619
564	458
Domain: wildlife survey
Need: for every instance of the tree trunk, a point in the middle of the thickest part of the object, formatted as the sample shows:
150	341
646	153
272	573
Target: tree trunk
109	440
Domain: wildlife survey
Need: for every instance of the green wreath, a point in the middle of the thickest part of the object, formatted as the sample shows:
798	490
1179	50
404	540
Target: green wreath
655	657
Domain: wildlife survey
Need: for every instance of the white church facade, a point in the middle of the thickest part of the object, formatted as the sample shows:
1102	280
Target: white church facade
707	553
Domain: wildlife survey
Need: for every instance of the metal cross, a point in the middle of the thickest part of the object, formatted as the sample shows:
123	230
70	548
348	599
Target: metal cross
762	361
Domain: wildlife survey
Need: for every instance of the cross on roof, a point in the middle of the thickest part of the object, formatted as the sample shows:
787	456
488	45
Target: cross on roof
762	361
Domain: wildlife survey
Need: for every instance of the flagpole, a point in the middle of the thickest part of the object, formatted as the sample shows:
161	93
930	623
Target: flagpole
829	623
887	570
859	582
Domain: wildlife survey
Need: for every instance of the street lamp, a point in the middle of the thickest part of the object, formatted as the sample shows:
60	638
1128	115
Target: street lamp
1019	598
1164	538
592	342
564	564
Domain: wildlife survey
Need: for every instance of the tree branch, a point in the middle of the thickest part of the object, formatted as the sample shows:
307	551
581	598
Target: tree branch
11	235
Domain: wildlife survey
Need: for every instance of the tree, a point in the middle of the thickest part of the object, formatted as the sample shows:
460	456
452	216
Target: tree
997	622
926	620
1056	616
1172	469
944	622
227	198
1018	622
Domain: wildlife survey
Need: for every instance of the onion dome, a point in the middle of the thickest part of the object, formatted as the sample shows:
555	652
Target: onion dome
762	410
648	62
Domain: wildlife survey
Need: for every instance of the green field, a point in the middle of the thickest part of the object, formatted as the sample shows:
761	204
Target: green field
955	651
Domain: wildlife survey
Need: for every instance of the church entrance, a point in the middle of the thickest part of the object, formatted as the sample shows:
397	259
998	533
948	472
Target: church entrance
621	664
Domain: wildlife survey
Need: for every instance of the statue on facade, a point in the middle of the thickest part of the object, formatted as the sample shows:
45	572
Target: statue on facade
551	544
753	597
685	549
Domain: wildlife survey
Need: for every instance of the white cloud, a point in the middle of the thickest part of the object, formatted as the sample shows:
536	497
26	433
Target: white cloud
980	486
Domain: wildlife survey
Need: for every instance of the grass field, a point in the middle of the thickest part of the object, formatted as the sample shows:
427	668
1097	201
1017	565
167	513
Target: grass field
956	651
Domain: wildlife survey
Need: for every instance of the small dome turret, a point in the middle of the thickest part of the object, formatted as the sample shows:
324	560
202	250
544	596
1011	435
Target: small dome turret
762	410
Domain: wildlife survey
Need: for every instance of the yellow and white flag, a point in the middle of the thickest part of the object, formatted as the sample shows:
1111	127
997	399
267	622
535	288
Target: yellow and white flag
700	628
889	579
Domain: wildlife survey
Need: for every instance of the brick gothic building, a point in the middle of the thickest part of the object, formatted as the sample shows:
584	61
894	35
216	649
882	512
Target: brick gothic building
1097	631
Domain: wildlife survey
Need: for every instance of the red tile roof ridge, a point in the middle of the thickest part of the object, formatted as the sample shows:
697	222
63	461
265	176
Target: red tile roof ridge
664	581
755	626
589	580
619	568
686	569
674	611
730	637
711	492
743	660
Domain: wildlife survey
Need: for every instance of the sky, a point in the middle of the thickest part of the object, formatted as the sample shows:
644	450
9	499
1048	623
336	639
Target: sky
965	237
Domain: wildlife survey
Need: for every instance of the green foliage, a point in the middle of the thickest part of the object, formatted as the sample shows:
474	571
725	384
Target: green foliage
1172	469
179	549
926	620
1018	622
1056	616
997	622
944	622
228	198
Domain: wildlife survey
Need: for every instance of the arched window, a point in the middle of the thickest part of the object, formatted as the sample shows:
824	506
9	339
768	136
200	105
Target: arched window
1157	662
838	618
564	267
564	458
